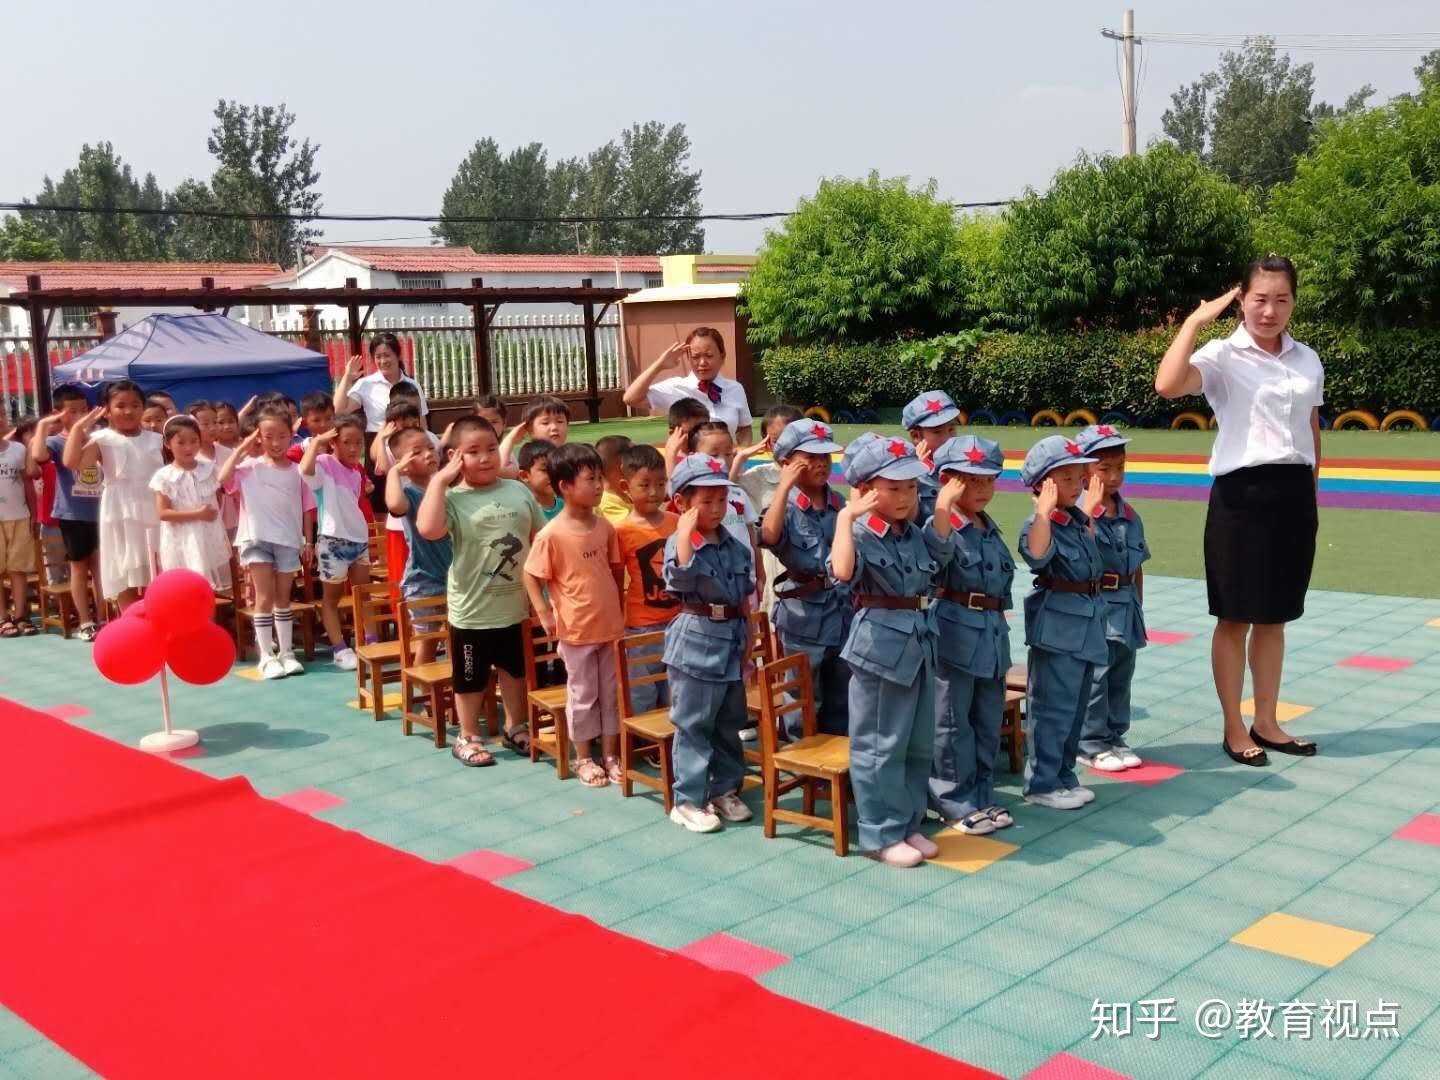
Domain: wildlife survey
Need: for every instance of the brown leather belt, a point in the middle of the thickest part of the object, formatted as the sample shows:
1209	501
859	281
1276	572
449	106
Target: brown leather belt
1109	582
1089	588
893	603
798	586
975	601
715	612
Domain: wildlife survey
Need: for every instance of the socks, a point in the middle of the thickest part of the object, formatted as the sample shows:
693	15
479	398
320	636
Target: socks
264	639
284	629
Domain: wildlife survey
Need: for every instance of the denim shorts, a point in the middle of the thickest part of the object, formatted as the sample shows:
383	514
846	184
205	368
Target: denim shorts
334	557
417	587
282	557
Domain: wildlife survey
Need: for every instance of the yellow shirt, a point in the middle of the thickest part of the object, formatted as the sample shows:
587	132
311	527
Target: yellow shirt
614	507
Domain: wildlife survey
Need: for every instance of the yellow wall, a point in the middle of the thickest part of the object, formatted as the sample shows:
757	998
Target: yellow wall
685	269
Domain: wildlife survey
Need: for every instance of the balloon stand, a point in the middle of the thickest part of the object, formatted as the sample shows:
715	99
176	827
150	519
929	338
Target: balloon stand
171	738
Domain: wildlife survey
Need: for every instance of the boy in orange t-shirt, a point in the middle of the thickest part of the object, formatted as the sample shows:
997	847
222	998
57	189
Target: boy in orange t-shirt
648	607
574	575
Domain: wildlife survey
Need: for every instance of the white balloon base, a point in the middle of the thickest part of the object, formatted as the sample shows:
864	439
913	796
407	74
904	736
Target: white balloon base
171	738
165	741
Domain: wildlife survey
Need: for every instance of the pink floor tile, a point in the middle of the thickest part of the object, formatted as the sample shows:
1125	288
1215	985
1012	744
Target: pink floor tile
726	953
1376	663
1152	772
1166	637
66	712
1070	1067
489	865
1423	829
310	800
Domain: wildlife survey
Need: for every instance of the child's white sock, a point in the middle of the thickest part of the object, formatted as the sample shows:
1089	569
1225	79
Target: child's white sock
285	629
264	638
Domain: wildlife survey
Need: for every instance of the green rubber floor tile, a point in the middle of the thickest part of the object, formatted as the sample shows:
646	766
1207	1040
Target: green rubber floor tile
542	844
1198	913
1250	886
1162	863
1416	928
851	903
980	899
949	982
702	922
1015	945
1111	896
1037	878
1297	864
813	985
1178	1052
900	1016
1355	814
1425	1033
923	922
603	904
1156	944
15	1033
1237	1065
723	905
1398	963
439	847
778	878
1072	843
1332	838
666	931
789	930
540	884
397	831
862	955
1407	1062
1089	971
1253	973
45	1059
1038	1014
1204	841
1389	883
656	881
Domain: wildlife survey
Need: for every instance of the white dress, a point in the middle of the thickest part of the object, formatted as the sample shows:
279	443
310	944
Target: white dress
193	545
127	508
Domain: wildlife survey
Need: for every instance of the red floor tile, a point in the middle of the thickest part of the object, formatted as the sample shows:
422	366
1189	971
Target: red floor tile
310	800
489	865
723	952
1376	663
1152	772
1423	829
1070	1067
1166	637
66	712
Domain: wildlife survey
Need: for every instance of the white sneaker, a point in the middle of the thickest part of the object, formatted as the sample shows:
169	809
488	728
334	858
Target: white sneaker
694	818
290	664
898	854
1056	800
1104	761
1084	794
749	734
270	667
730	808
1128	756
345	659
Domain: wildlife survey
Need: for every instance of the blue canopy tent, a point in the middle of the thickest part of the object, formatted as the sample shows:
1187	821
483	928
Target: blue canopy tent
199	356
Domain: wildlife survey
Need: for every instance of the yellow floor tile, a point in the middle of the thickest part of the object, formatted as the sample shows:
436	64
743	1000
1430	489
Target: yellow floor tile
1433	622
1284	710
1304	939
247	672
968	853
392	701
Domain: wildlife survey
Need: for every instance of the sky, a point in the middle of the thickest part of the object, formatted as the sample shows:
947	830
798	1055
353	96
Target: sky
985	98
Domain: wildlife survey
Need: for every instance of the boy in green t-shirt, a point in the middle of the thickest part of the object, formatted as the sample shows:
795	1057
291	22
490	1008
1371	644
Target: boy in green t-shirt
491	522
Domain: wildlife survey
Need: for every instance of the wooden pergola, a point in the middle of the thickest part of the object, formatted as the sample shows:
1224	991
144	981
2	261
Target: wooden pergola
42	303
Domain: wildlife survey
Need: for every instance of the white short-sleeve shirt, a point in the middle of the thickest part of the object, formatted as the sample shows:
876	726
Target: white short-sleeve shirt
733	408
373	394
1262	402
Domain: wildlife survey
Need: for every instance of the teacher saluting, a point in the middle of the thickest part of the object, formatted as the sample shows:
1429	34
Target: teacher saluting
1266	389
703	352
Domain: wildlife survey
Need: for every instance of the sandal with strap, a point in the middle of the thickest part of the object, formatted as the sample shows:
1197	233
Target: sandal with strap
470	750
87	631
517	739
590	774
1295	747
26	628
613	770
8	629
1000	816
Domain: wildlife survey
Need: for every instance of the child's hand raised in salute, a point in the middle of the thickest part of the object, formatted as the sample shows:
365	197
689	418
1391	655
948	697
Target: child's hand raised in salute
1094	495
1048	499
448	473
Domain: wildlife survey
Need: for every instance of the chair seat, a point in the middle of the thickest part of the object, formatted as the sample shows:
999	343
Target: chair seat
752	699
380	650
1016	677
550	698
435	671
829	754
1012	696
654	725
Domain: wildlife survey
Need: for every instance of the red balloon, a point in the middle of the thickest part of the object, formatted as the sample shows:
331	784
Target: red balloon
202	656
135	610
129	651
179	600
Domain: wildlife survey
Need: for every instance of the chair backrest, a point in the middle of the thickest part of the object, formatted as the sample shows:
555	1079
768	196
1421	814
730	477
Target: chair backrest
374	614
761	647
540	648
631	652
44	564
428	611
785	688
378	542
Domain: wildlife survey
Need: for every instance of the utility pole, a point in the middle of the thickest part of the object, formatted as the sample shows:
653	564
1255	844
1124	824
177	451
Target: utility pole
1127	80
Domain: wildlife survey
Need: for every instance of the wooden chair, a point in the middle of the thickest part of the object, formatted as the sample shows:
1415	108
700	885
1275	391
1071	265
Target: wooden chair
763	648
648	733
432	683
1012	729
379	659
54	602
549	733
817	764
304	609
379	550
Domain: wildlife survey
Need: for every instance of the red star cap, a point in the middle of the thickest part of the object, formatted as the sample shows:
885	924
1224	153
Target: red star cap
821	431
1105	429
716	465
1072	447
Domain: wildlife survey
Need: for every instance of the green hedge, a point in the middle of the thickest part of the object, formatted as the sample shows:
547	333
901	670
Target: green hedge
1376	369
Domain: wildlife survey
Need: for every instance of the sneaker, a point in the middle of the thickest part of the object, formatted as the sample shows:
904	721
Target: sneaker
927	848
900	855
270	667
749	734
1128	756
290	664
730	808
1104	761
977	824
345	659
694	818
87	631
1056	800
1084	794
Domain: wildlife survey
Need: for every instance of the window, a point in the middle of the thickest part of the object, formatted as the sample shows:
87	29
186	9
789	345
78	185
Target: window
654	281
420	281
4	318
83	317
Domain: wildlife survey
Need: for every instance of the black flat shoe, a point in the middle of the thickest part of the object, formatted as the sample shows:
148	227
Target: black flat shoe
1296	747
1240	757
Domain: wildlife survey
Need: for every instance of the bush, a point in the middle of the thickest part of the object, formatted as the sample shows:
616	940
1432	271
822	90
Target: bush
1380	370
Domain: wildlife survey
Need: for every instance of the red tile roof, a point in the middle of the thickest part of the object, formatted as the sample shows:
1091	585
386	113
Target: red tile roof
465	260
135	275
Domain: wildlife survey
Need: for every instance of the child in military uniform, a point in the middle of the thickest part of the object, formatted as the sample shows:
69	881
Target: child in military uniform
1064	618
1121	536
930	420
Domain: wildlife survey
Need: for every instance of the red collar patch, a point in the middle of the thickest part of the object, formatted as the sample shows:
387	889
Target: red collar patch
803	501
1099	512
1059	517
958	520
898	448
877	524
1129	512
697	540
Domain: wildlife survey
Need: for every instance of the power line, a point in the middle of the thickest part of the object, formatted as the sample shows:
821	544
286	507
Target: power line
1304	42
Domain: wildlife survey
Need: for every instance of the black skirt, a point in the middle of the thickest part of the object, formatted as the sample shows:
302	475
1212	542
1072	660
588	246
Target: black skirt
1260	543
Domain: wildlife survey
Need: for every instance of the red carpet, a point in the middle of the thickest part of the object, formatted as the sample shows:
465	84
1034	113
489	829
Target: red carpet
156	922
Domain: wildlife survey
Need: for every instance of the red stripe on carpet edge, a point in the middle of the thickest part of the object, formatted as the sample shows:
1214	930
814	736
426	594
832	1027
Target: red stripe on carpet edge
162	923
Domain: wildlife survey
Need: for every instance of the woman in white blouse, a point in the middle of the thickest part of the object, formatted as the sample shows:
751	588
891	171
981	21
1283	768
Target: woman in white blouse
370	394
1266	390
703	352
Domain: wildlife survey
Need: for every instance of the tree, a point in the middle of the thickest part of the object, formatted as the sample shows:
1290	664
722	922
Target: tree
25	241
862	260
654	181
100	181
1125	242
1361	218
1252	117
488	185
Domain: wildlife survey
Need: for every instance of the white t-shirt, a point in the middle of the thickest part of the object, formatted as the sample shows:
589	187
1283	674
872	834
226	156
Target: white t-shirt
337	499
373	394
273	500
12	483
733	408
1262	402
739	514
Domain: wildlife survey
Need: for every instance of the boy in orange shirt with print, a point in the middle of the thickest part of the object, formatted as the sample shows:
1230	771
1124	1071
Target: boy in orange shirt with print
648	605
